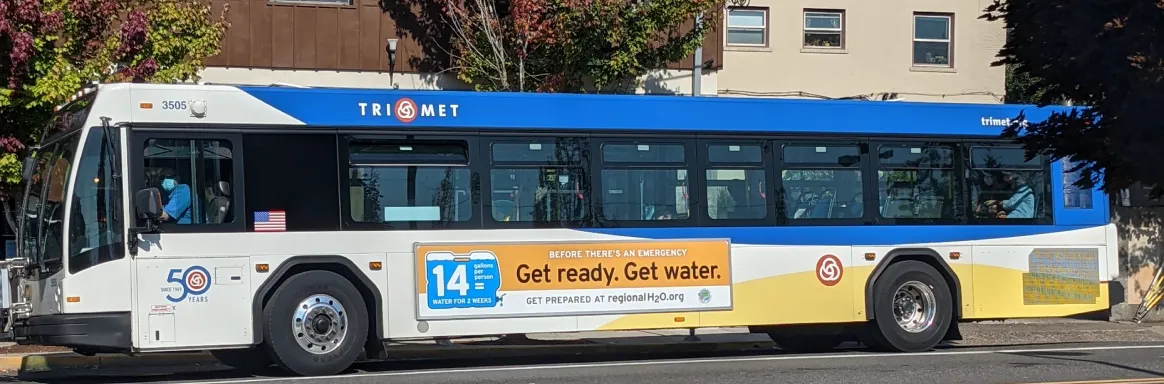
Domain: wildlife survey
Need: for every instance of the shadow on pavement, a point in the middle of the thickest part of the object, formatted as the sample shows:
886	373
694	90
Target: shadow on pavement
1080	357
219	372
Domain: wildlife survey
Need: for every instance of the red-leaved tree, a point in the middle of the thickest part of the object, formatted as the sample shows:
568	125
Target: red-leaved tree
49	49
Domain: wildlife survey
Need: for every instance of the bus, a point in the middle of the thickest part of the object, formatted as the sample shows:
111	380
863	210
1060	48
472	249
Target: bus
304	227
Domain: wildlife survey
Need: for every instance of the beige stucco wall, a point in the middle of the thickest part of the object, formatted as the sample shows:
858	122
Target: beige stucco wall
877	56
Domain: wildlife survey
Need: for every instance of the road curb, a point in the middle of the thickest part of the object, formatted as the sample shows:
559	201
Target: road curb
59	362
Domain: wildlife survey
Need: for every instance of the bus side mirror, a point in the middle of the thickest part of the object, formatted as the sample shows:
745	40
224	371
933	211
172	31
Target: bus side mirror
28	168
147	203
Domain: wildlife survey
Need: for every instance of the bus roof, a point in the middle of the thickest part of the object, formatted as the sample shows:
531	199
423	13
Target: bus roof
421	109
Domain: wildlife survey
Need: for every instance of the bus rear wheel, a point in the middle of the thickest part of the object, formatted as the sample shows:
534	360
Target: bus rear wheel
315	324
913	308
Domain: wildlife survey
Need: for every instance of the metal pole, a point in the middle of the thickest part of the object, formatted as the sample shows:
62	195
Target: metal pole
697	64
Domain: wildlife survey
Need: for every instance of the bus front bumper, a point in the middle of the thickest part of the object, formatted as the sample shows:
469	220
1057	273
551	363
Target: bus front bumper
97	332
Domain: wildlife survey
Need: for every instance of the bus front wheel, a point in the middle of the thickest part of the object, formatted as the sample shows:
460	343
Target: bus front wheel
912	307
315	324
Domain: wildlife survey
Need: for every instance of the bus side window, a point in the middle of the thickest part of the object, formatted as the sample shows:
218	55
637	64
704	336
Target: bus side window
195	177
644	181
822	182
916	181
1004	185
539	180
735	182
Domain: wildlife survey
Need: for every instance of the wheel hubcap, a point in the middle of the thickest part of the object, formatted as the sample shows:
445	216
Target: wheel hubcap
320	324
914	306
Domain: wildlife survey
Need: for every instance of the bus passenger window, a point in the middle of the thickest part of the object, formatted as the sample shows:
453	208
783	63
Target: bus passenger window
409	182
735	182
1004	185
915	181
539	180
195	178
644	181
822	182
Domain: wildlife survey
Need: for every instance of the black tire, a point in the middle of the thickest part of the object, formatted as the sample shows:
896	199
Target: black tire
250	360
884	333
281	338
806	343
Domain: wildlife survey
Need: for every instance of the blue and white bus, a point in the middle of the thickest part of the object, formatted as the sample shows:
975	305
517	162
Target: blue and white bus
301	227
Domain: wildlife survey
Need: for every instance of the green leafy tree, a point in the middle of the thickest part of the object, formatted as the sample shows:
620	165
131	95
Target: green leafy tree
571	45
49	49
1105	55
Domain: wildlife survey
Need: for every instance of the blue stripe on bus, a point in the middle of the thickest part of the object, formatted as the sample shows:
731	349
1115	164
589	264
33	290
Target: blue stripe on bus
323	108
840	235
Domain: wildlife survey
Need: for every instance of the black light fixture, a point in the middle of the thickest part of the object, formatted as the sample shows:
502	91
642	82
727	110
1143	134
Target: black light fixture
391	49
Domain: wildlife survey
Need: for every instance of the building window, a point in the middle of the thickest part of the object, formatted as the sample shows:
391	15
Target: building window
747	27
824	29
932	40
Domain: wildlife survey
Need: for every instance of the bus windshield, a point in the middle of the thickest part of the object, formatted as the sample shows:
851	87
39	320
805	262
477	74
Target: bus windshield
42	215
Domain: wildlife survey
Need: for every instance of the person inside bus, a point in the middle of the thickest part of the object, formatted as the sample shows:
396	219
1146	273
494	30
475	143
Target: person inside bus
178	200
1020	205
990	193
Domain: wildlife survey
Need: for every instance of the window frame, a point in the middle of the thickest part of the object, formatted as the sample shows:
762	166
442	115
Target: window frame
704	164
949	41
764	29
690	164
957	178
840	13
1047	199
780	165
486	165
344	162
138	136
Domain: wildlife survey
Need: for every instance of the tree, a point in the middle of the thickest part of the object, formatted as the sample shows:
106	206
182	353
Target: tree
49	49
566	45
1105	55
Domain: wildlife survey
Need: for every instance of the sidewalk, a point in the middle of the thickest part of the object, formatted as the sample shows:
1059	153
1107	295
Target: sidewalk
1015	332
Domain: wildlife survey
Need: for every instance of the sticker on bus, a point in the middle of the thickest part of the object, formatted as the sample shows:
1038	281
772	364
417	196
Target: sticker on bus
523	279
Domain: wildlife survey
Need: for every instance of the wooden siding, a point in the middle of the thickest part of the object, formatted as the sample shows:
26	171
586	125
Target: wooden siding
352	37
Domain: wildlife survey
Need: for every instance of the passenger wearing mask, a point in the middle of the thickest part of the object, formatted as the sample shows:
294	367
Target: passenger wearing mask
178	204
1020	205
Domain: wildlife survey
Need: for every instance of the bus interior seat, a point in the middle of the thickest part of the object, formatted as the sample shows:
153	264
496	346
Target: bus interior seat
219	206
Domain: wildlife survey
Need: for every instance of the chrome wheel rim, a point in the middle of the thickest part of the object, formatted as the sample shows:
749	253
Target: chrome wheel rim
320	324
914	306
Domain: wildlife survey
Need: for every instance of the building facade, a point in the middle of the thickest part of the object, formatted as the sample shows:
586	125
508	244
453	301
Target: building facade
915	49
912	50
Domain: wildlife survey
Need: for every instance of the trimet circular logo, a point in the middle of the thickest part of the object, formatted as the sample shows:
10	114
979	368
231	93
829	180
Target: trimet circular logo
829	270
406	110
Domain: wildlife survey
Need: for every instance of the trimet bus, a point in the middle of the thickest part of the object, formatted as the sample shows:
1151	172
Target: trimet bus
301	227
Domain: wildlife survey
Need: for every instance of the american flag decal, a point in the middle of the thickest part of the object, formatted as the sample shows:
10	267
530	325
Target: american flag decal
270	221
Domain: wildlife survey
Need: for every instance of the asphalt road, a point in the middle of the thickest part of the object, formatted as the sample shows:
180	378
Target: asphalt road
1033	364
